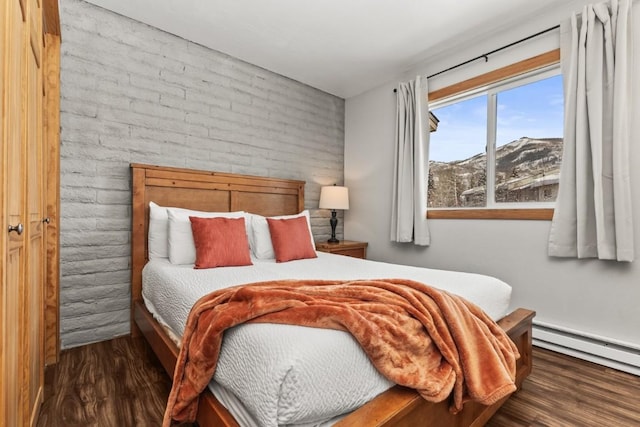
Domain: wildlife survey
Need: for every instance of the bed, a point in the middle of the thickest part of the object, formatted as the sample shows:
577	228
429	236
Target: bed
212	191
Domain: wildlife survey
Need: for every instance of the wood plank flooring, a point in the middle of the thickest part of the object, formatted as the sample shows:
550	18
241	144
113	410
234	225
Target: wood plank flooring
117	383
120	383
565	391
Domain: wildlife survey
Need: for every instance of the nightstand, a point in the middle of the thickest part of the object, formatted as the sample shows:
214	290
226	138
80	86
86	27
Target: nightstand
344	247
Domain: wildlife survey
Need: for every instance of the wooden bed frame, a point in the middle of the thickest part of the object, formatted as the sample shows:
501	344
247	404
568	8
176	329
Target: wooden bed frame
222	192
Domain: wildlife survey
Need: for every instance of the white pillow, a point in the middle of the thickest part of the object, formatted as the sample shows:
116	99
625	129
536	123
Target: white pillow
248	217
260	238
158	236
182	249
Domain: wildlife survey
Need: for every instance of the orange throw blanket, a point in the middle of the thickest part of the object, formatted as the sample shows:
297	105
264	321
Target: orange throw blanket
415	335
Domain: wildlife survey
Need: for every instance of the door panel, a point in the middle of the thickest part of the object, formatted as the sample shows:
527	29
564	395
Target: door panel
13	374
3	218
35	200
11	380
51	178
22	184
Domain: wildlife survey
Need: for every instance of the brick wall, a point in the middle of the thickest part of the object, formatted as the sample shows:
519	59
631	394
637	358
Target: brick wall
132	93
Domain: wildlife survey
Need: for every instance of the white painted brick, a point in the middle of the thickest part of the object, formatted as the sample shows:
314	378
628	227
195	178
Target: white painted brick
126	116
90	126
209	98
69	268
87	293
99	181
96	320
80	195
232	135
157	110
70	82
180	79
241	97
114	224
84	308
184	105
199	118
249	110
69	283
113	183
84	108
118	327
192	129
72	210
164	62
78	225
90	151
155	135
156	159
94	238
114	169
257	92
232	116
152	87
113	197
81	66
80	253
131	93
97	97
75	331
83	166
75	180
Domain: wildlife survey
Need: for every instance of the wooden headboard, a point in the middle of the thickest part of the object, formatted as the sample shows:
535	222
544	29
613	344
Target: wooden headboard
205	191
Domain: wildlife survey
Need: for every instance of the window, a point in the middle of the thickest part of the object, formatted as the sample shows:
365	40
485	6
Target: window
457	160
498	145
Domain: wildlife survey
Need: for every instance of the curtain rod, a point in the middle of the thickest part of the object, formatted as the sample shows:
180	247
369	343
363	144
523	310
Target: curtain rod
486	55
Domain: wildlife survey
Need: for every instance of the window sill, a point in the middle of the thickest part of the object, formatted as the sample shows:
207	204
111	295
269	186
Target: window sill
534	214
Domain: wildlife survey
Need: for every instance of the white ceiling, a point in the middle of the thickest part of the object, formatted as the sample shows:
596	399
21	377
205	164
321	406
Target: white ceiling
343	47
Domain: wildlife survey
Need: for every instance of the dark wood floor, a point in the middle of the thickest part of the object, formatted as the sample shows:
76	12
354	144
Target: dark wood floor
117	383
565	391
120	383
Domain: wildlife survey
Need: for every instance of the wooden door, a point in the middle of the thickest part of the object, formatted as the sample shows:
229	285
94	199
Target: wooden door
3	212
14	188
21	357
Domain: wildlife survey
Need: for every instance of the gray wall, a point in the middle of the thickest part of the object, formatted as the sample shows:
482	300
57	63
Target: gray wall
132	93
587	296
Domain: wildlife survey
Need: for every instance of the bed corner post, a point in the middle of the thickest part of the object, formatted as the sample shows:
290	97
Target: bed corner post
138	243
519	327
301	197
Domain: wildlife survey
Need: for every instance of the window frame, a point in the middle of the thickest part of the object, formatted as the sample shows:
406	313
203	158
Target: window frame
467	88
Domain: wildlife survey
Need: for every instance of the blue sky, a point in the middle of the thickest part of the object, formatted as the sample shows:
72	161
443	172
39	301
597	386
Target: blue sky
534	110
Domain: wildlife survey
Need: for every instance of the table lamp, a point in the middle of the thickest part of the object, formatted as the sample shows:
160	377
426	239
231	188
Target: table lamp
334	197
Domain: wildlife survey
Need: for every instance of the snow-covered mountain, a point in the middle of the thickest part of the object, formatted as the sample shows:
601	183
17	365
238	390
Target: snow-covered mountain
524	159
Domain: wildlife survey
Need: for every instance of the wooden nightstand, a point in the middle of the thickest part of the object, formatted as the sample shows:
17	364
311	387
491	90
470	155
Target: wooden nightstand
344	247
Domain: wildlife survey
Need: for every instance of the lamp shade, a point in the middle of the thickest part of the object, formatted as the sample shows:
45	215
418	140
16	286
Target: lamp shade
334	197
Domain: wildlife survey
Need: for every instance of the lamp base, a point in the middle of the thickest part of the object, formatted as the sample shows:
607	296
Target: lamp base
333	221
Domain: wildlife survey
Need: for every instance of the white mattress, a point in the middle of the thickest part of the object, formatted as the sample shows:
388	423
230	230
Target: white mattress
281	376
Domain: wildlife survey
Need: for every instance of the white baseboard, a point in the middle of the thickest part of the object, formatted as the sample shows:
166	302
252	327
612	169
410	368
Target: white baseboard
614	354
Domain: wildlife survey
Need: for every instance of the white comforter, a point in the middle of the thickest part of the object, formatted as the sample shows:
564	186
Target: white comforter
280	372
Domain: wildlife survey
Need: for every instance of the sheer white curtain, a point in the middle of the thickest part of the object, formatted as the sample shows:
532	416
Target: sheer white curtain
592	218
409	214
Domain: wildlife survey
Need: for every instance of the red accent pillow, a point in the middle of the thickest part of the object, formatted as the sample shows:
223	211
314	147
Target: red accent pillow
291	239
220	242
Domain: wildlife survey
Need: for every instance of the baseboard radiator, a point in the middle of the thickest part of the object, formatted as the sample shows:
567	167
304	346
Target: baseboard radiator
614	354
